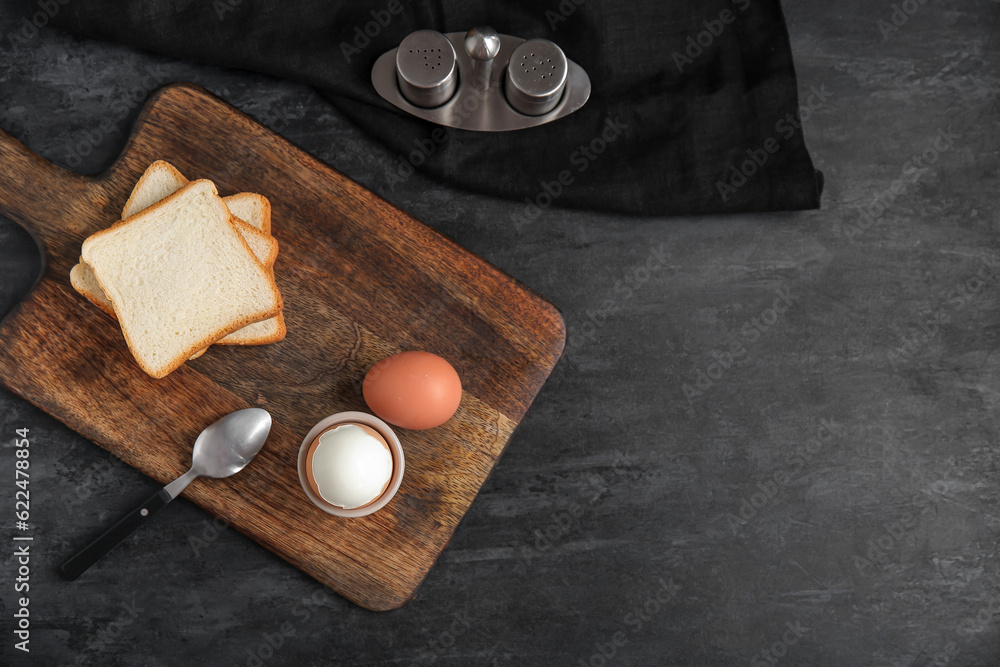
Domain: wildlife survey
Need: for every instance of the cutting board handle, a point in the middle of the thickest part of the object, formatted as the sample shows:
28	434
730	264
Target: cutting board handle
43	197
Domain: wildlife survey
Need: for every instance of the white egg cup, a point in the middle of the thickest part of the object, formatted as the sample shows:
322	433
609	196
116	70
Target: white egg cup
395	449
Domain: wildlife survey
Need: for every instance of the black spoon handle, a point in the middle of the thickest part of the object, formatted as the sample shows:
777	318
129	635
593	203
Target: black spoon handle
93	552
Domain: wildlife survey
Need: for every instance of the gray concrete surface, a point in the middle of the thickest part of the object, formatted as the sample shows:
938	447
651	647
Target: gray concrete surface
787	431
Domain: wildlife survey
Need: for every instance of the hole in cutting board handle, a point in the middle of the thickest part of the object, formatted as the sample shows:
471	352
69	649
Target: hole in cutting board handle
22	264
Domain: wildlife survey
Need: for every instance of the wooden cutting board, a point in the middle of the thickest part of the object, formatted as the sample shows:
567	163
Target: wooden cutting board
360	280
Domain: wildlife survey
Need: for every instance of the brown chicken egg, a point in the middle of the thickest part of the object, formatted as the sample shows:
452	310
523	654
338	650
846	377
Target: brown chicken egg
415	390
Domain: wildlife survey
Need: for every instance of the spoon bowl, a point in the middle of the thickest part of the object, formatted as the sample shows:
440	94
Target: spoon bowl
228	445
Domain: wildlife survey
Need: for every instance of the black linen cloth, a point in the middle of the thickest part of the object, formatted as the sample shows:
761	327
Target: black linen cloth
694	106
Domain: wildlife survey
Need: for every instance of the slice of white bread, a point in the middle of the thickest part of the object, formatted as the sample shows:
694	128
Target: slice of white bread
180	276
84	281
162	179
252	208
82	277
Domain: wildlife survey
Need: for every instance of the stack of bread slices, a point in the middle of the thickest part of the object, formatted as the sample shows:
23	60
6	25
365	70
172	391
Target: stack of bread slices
184	269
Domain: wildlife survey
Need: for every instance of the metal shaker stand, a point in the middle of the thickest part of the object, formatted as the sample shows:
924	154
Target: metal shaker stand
478	93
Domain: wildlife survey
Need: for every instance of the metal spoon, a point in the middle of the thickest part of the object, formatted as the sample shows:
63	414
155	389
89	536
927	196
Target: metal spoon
221	450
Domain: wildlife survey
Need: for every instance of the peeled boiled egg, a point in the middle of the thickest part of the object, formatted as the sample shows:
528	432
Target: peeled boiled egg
415	390
350	466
